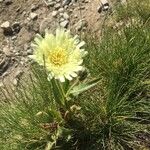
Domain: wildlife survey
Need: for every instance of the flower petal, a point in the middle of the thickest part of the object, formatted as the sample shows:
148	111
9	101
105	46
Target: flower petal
73	74
63	56
68	77
81	44
61	78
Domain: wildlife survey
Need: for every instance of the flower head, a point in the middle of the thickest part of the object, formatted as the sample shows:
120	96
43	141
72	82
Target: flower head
61	54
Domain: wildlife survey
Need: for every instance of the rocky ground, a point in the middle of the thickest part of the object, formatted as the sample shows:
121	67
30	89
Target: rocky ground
22	19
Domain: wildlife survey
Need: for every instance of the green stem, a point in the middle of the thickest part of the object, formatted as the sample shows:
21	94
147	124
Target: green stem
58	92
62	89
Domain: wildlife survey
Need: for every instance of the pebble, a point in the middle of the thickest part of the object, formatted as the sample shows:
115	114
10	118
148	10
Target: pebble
54	13
81	7
76	16
29	51
61	14
7	30
57	6
33	16
70	10
5	25
34	7
66	2
50	3
14	37
66	6
66	16
61	19
64	23
61	10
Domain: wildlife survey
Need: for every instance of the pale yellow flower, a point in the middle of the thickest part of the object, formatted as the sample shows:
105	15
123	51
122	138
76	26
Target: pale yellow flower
61	54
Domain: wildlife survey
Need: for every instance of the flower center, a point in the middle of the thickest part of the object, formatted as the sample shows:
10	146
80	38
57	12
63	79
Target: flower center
58	57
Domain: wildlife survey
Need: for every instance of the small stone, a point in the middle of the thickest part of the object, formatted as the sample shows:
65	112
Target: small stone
57	6
17	53
61	10
61	14
5	25
54	13
29	51
66	7
66	16
64	24
70	10
81	7
34	7
61	19
66	2
8	2
7	30
24	13
51	4
14	37
76	16
33	16
28	20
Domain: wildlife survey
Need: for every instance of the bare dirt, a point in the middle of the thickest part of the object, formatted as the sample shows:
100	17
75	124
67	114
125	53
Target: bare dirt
28	17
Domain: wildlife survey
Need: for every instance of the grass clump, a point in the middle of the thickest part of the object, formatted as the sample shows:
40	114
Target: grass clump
122	112
135	10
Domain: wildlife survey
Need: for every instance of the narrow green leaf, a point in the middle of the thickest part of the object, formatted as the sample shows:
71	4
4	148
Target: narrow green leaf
84	87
